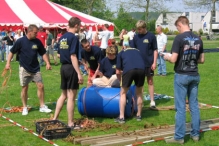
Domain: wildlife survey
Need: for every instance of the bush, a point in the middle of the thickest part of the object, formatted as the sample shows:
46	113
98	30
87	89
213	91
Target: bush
166	30
200	31
175	32
195	32
169	32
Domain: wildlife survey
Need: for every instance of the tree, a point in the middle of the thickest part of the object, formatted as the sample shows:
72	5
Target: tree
95	8
146	6
124	20
199	4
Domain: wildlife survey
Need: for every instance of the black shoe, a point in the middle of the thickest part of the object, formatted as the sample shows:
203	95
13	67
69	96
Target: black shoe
119	120
138	118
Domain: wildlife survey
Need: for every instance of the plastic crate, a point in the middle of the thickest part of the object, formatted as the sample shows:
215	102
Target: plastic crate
45	129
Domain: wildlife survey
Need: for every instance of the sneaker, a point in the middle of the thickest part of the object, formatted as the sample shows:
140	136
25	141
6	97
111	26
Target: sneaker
172	140
25	111
138	118
45	109
195	138
120	121
152	104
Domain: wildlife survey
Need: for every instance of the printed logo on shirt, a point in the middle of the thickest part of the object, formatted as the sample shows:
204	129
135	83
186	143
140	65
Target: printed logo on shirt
190	51
34	47
145	41
92	58
63	44
114	66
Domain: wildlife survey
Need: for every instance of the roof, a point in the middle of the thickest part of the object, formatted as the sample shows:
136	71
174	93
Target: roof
42	13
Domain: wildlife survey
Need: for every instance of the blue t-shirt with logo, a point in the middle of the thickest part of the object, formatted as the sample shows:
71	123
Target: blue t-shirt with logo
108	67
28	53
93	57
146	43
68	44
129	59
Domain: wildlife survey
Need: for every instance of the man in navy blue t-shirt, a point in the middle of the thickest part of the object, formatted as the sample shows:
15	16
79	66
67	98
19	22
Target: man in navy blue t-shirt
108	76
130	67
93	56
68	50
146	42
28	48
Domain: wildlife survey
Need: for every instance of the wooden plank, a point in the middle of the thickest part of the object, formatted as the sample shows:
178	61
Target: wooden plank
129	140
149	131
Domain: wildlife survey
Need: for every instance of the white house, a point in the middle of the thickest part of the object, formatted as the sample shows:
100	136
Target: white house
195	19
206	22
198	20
167	20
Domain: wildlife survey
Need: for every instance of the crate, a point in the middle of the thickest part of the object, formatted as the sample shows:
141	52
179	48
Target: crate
53	129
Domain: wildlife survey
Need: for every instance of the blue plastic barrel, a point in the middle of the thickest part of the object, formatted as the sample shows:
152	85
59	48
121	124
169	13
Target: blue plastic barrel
103	102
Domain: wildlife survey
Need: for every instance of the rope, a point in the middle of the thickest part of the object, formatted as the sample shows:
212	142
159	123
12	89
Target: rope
216	127
208	105
31	131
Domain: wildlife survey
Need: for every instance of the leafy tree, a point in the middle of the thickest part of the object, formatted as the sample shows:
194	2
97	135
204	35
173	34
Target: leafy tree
146	5
95	8
124	21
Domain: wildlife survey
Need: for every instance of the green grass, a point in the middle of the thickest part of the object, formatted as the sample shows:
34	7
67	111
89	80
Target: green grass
15	136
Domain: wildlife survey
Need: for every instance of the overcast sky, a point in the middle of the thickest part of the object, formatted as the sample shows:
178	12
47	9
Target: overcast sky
175	6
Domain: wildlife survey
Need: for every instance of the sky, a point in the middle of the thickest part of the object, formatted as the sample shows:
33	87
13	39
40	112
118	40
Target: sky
175	6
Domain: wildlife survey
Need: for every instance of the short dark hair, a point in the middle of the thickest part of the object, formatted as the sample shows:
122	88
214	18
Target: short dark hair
74	21
31	27
106	25
84	41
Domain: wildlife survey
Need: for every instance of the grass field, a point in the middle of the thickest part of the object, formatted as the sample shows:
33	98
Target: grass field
11	135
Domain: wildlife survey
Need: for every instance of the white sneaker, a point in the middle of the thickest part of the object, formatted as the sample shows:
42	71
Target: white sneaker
45	109
25	111
152	104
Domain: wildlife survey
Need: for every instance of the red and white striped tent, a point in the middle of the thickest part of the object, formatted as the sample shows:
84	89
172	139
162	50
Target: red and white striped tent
20	13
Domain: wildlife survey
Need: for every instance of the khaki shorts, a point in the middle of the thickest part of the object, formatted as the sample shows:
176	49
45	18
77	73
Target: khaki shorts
26	77
49	50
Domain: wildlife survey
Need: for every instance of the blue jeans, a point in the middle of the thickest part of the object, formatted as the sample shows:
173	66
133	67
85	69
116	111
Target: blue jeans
186	85
161	65
2	52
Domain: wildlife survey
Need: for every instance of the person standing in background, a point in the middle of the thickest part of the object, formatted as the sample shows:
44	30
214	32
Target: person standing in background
41	35
161	45
49	45
104	35
9	43
17	36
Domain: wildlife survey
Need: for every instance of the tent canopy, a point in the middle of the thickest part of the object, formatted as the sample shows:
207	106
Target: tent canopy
21	13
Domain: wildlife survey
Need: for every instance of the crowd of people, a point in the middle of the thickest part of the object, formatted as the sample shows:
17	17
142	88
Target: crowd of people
106	66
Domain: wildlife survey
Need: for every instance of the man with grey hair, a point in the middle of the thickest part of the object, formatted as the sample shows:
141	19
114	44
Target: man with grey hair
161	44
29	69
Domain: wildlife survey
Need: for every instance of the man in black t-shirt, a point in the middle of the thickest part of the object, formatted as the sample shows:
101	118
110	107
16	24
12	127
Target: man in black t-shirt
187	52
29	70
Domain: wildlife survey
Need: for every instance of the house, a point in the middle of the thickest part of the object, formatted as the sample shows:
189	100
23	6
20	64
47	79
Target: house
195	19
206	22
167	20
198	20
